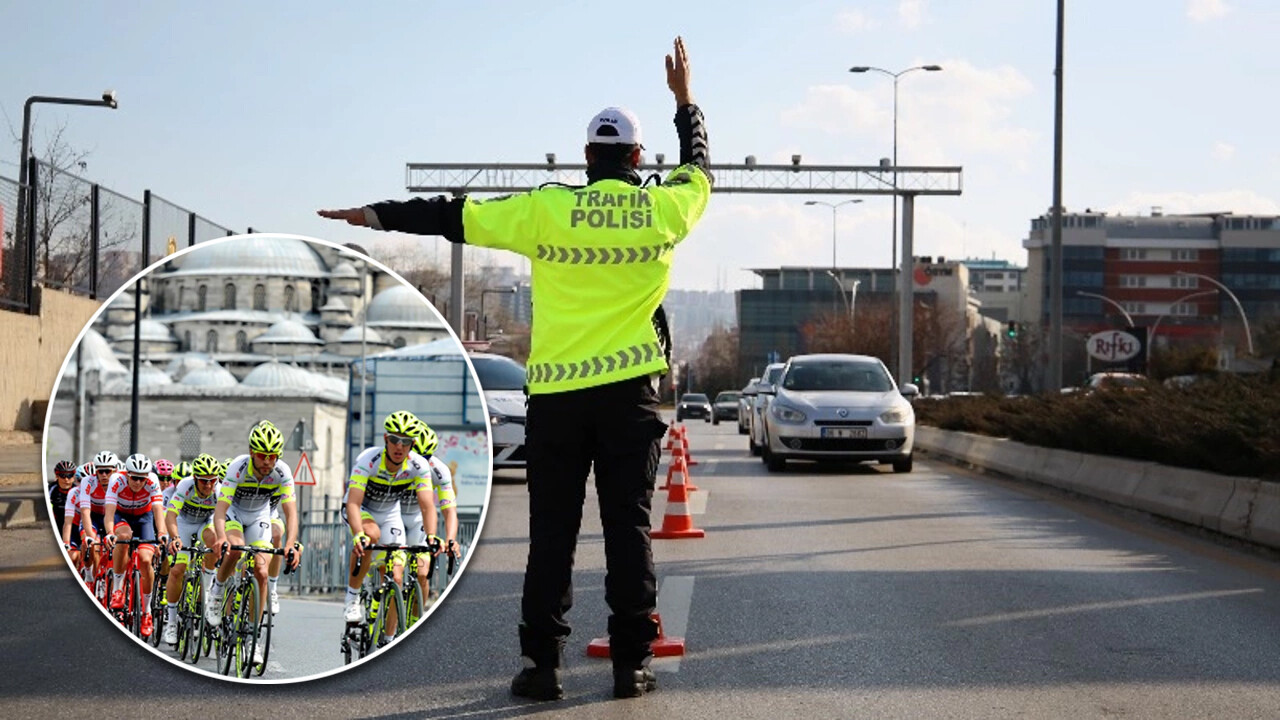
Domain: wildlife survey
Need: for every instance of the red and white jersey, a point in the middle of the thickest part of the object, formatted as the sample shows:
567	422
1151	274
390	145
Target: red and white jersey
93	494
129	502
73	506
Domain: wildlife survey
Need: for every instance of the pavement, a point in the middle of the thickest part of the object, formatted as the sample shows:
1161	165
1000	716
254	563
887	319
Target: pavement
22	500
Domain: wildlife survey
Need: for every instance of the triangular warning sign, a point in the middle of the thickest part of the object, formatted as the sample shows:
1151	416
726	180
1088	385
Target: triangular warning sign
303	474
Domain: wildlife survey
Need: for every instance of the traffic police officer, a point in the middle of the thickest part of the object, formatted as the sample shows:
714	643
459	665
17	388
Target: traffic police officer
601	262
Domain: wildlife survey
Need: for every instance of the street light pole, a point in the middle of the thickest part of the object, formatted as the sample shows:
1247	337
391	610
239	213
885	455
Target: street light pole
1127	317
108	100
834	207
1248	335
1155	327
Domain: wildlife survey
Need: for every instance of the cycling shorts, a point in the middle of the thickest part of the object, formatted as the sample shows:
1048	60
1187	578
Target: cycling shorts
254	525
190	533
390	528
143	526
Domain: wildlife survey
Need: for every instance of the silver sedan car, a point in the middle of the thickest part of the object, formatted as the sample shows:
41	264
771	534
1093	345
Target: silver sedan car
839	407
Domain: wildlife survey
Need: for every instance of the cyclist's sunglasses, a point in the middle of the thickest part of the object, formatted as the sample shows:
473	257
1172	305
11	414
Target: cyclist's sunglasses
400	440
99	470
209	479
65	476
266	457
140	478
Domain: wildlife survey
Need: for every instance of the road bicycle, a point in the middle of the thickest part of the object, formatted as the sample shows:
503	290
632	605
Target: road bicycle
159	614
192	630
377	597
416	597
244	623
130	613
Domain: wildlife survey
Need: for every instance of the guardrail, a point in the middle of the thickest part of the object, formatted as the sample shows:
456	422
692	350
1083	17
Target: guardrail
1241	507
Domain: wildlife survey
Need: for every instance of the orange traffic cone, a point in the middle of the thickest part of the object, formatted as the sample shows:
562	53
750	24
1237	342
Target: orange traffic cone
677	522
684	442
678	465
673	437
662	646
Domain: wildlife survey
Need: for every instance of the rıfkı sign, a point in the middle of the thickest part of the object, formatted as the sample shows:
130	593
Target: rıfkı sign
1114	346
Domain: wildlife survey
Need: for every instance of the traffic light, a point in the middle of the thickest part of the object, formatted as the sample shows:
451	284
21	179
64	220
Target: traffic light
1011	329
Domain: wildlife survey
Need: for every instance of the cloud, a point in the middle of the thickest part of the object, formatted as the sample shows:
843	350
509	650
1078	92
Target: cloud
944	118
1206	10
1177	202
911	13
851	22
1223	151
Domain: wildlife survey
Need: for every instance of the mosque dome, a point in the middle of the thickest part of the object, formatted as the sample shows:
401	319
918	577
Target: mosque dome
253	256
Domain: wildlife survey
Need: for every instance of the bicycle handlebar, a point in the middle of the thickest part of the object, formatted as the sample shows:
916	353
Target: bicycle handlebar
229	548
433	548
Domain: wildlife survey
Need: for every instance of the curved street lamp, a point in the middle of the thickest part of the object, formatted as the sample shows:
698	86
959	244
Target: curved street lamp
834	207
1155	327
1248	336
1127	317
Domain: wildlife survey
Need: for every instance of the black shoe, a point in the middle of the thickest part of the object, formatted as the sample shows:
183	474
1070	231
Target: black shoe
628	683
538	684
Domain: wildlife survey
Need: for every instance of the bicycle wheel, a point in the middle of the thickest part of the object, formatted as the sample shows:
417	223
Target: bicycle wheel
184	642
264	637
159	611
133	602
226	635
390	596
412	601
247	628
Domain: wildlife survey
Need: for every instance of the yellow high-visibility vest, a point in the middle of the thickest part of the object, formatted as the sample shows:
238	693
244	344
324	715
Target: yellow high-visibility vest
601	263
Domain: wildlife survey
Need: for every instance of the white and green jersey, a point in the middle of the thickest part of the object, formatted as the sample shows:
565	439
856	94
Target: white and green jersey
383	485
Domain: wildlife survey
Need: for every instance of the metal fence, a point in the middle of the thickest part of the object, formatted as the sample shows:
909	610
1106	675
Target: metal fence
327	542
84	238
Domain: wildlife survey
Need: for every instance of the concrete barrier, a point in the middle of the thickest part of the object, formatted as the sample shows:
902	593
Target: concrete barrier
1245	508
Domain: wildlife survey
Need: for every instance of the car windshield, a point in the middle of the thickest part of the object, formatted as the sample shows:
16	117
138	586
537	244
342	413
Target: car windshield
694	398
772	374
499	373
728	397
824	375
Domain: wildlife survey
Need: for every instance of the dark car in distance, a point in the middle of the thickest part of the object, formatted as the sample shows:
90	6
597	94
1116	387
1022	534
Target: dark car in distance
693	405
725	407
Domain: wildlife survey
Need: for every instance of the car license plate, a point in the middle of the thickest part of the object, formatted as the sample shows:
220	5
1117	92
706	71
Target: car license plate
844	432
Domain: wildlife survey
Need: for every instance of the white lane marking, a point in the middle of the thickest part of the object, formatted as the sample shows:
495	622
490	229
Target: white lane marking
675	597
1088	607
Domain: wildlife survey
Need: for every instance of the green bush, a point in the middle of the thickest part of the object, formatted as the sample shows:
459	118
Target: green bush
1228	425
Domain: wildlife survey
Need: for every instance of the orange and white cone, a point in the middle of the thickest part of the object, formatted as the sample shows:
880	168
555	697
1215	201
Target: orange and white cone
673	437
678	465
662	645
684	443
677	522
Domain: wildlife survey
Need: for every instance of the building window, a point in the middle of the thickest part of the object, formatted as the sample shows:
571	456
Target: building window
1133	254
122	442
290	300
1185	281
1135	308
182	295
1133	281
315	297
242	342
229	296
1184	310
201	296
259	297
159	300
1187	255
188	441
328	447
211	342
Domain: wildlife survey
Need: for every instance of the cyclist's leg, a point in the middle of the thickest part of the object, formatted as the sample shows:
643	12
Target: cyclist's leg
361	569
257	532
119	559
277	561
391	528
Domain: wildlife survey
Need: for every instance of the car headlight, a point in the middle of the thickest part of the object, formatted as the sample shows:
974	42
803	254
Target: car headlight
895	416
786	414
497	418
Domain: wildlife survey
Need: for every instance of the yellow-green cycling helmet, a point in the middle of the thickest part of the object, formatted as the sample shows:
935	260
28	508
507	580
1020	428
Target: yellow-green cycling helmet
427	441
266	438
403	423
206	465
182	470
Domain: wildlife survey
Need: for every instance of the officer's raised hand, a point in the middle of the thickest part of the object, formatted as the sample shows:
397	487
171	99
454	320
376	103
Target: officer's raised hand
678	73
353	216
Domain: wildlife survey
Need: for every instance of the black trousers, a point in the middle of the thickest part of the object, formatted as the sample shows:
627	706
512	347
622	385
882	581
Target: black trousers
617	429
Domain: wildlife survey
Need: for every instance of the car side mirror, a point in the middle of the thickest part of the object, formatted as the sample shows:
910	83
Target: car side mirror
909	391
768	389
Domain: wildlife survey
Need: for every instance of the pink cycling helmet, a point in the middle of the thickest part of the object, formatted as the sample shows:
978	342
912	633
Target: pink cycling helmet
164	468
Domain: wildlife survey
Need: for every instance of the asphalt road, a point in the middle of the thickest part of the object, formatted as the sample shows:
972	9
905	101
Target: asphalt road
822	592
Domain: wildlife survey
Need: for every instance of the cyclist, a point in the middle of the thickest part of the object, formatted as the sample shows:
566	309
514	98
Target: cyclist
65	474
93	496
371	505
71	526
164	473
277	561
411	511
136	494
242	515
188	514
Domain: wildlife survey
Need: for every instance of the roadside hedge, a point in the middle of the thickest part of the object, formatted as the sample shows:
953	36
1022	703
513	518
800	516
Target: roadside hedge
1228	424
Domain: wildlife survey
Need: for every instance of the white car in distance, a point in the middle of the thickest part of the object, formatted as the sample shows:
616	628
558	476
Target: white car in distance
502	381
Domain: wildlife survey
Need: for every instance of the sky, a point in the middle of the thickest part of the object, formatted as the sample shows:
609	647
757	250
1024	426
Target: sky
257	114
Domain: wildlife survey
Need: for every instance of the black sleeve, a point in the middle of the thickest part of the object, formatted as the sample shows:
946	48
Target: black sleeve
692	130
440	215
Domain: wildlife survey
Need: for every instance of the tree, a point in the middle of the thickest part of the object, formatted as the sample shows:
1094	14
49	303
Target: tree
716	366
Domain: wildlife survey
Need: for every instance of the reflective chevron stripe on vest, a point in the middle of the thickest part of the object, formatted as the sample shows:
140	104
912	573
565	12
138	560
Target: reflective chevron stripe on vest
555	372
602	256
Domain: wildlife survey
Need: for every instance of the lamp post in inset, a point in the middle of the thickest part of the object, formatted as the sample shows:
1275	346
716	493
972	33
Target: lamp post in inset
1248	335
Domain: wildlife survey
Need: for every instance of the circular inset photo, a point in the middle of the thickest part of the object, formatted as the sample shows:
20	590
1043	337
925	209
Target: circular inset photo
271	456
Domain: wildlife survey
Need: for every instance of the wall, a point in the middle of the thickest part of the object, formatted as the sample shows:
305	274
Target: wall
32	353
